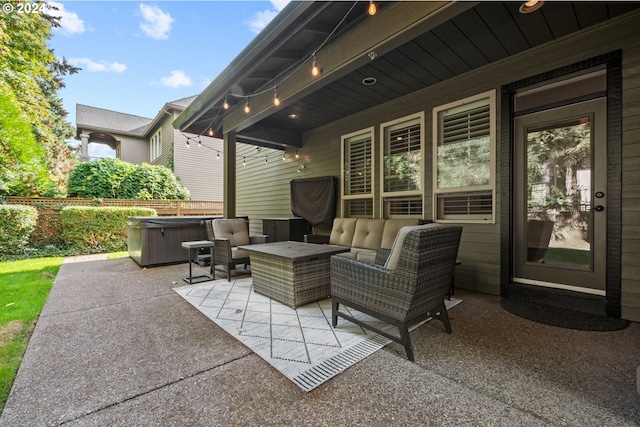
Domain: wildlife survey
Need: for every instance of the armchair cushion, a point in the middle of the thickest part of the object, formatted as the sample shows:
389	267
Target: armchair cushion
394	255
236	230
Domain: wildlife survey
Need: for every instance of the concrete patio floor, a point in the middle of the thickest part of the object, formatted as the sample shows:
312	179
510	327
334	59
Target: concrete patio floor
116	346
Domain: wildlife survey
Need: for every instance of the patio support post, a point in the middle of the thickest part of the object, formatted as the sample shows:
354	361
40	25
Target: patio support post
229	191
84	148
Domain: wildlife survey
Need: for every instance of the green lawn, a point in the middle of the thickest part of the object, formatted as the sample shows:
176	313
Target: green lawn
24	288
573	256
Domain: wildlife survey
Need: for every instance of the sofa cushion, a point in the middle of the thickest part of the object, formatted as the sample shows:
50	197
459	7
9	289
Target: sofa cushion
394	256
368	233
391	228
342	231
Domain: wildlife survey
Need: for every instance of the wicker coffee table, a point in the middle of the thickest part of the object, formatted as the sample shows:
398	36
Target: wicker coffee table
293	273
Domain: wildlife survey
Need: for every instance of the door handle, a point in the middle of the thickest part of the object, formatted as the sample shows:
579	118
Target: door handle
599	208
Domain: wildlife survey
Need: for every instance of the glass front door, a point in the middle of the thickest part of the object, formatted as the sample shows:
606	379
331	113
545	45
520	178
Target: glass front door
560	197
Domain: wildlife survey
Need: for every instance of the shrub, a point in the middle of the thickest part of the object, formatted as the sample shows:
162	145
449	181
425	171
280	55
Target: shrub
16	224
116	179
98	229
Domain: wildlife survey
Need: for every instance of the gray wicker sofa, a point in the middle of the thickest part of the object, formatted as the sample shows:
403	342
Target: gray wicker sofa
364	236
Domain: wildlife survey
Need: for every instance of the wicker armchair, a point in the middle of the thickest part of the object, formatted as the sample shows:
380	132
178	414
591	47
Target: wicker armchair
410	287
228	235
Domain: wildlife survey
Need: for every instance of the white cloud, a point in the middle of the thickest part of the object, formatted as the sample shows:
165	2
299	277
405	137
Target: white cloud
102	66
261	19
176	79
155	22
70	22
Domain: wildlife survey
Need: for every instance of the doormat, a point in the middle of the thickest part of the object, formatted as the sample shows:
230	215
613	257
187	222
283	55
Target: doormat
561	317
299	343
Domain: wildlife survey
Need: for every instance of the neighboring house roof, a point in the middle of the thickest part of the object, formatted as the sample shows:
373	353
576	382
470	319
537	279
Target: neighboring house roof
183	102
113	121
123	123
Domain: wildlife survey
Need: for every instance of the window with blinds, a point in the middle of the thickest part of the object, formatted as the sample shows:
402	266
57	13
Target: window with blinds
478	206
395	207
464	158
358	208
358	165
357	174
402	155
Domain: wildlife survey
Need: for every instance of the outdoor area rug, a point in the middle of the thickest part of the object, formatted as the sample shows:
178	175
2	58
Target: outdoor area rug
299	343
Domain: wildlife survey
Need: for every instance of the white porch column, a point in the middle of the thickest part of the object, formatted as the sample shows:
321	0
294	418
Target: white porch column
84	148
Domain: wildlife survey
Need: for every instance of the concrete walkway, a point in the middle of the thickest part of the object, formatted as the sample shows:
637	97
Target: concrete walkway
115	346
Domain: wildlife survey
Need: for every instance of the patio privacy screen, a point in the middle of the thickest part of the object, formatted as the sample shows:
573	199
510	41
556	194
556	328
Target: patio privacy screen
314	199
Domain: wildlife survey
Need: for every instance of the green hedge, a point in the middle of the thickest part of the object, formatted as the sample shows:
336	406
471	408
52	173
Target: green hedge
101	229
16	224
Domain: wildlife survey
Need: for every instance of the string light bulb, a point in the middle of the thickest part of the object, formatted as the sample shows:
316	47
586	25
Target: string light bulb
218	156
314	67
247	109
276	100
199	142
244	161
210	132
372	8
188	146
225	104
297	155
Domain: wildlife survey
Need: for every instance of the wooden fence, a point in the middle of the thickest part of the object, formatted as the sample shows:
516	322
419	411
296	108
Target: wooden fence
48	227
162	207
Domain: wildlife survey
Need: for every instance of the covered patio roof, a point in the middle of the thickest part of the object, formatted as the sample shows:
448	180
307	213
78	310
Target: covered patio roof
364	64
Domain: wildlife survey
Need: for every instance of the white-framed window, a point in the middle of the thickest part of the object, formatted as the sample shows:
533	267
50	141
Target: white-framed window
464	135
401	163
156	145
357	174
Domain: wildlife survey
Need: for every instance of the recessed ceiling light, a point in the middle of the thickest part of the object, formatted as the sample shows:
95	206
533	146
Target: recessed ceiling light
368	81
294	116
530	6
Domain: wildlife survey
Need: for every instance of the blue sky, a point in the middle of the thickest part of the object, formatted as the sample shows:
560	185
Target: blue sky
137	55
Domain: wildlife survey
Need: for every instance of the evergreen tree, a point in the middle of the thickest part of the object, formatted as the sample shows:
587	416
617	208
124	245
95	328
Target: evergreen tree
33	76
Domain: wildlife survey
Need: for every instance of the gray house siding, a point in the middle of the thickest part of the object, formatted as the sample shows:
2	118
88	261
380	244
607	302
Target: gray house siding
133	150
263	190
198	168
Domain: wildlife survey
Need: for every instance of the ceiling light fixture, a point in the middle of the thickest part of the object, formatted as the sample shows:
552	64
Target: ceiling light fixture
530	6
368	81
294	116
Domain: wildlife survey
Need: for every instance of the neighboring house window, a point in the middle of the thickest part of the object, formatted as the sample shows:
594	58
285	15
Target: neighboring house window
464	159
156	145
357	173
401	165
